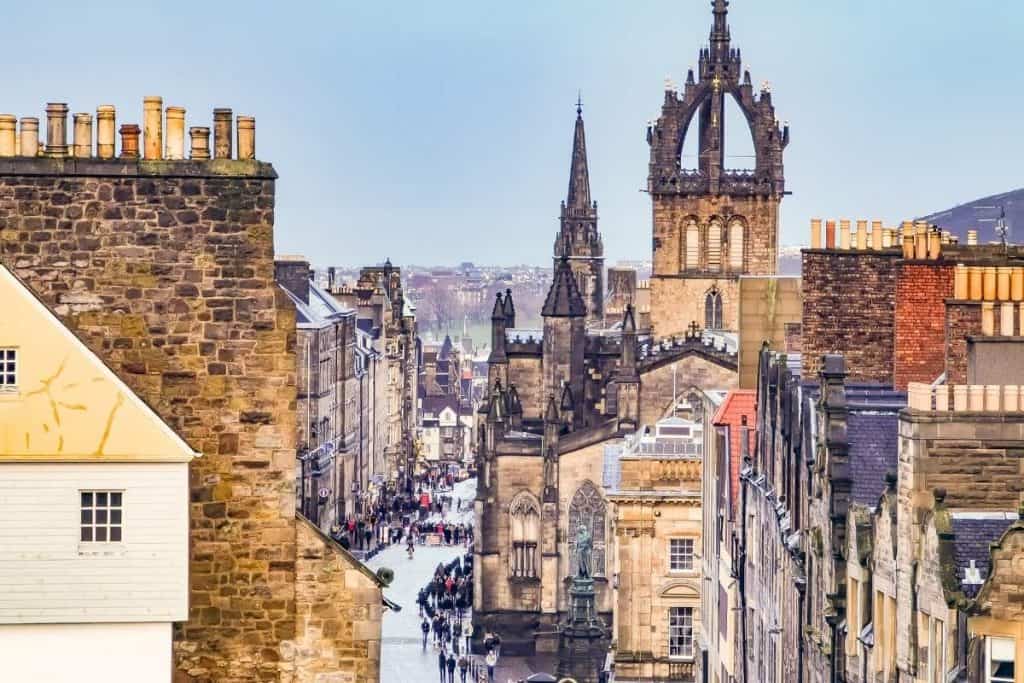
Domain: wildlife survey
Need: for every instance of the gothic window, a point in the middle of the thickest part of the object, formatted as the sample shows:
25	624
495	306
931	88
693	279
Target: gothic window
736	246
692	246
587	508
714	247
524	518
713	310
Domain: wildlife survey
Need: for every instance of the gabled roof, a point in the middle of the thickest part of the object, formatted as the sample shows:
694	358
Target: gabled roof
69	405
973	535
738	404
874	450
564	299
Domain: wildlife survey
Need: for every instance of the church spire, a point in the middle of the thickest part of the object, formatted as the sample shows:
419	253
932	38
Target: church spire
579	174
720	32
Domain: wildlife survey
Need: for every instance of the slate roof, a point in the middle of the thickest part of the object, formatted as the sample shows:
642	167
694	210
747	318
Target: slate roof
874	444
971	539
435	404
564	299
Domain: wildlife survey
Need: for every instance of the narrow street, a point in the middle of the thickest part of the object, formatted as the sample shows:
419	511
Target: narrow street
403	659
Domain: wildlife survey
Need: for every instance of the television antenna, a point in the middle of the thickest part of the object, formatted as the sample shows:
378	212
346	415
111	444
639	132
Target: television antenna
1002	227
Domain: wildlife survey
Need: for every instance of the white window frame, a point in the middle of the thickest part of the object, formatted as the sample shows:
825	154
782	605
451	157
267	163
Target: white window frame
8	355
672	555
89	513
687	652
1002	642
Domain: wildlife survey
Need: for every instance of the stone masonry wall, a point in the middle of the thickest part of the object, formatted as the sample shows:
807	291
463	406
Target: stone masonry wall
165	269
849	298
920	331
338	604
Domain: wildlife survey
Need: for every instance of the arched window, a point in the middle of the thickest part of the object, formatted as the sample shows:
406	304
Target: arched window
524	517
713	310
714	247
736	246
692	246
587	508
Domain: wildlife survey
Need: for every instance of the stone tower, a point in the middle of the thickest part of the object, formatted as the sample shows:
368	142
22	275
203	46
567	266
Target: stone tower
578	237
712	224
564	316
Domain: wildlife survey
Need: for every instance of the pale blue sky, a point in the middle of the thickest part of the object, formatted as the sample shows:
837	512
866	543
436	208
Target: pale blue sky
437	132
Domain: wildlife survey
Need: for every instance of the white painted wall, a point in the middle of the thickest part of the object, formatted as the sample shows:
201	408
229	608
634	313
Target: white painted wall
45	575
83	653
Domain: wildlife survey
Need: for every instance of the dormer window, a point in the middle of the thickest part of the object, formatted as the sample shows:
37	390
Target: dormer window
8	370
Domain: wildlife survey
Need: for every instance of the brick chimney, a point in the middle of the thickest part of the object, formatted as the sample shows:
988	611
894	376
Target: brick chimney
292	273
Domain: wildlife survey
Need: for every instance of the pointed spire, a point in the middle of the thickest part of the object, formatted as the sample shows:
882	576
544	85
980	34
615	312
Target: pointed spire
568	404
498	312
579	174
720	31
564	298
551	414
510	310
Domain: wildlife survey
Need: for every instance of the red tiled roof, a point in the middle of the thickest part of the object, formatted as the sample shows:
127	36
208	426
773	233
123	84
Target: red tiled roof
738	404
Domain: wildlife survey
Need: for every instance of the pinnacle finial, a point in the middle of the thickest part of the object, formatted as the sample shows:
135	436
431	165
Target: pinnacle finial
579	103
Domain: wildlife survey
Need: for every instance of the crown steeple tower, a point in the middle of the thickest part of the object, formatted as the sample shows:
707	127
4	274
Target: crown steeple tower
578	238
715	222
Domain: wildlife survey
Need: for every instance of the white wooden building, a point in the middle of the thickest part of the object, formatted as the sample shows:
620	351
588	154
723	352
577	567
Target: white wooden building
94	501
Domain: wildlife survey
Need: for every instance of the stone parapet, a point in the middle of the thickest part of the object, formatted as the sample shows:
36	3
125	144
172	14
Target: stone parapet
126	168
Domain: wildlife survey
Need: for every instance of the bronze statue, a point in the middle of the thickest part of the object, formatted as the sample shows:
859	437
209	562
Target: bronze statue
584	545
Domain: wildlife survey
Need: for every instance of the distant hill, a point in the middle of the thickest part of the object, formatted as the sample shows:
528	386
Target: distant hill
979	214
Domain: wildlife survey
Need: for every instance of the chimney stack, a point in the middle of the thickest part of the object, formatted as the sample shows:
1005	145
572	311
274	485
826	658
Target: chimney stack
8	128
960	282
83	136
152	127
221	133
862	235
200	142
29	136
934	244
130	141
815	233
920	240
830	234
105	131
175	133
56	129
246	137
876	234
844	233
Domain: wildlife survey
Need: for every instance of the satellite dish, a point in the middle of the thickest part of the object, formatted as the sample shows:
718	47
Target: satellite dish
386	575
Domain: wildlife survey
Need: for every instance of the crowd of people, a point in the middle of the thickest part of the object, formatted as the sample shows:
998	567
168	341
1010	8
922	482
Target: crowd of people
405	516
444	604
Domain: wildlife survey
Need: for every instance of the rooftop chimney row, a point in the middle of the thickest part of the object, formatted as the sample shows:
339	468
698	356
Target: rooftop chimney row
991	398
21	139
918	240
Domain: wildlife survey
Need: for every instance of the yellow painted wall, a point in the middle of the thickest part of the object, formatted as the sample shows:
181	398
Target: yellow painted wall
68	405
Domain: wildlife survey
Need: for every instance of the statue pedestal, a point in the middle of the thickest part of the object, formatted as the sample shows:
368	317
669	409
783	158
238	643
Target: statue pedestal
583	638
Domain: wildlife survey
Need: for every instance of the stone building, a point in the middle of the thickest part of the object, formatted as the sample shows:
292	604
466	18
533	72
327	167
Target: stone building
164	268
653	483
388	373
712	224
328	444
559	396
866	514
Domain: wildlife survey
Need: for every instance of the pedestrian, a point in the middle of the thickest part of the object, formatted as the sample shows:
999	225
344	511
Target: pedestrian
451	668
456	634
442	663
463	668
425	627
491	660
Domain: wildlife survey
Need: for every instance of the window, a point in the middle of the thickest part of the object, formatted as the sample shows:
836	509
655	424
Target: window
692	247
999	660
8	369
680	632
736	246
525	518
713	310
680	554
101	516
714	247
